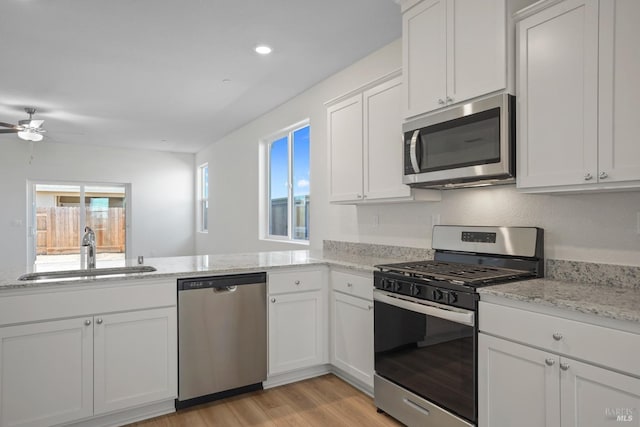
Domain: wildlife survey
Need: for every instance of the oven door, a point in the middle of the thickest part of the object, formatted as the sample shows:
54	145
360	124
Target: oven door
428	349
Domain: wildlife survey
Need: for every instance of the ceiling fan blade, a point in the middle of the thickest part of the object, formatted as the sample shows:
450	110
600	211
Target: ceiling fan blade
36	123
9	131
7	125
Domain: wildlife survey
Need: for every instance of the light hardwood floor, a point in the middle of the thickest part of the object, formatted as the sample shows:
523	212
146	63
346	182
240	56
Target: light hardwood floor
321	401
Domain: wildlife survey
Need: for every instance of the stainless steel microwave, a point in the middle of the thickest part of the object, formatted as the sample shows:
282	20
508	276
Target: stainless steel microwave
469	145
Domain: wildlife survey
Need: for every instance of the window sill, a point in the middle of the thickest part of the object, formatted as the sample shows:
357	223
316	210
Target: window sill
293	242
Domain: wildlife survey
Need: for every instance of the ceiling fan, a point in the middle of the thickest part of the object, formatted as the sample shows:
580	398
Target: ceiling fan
28	129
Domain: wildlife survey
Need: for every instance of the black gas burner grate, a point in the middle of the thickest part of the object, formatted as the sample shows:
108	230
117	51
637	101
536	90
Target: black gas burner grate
456	272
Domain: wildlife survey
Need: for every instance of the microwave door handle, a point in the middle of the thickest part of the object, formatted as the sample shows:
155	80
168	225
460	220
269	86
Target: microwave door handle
414	151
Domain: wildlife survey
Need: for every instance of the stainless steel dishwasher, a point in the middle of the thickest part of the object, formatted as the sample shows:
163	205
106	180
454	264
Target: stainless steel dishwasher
222	336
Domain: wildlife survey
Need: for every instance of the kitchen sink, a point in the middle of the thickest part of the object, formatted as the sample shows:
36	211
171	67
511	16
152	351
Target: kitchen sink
90	272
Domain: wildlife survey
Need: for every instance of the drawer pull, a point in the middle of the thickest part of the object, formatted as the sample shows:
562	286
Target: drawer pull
349	284
415	406
557	336
297	282
273	300
564	366
550	362
370	307
87	322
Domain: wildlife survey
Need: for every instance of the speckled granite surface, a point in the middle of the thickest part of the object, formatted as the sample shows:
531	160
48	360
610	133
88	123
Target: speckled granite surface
592	273
400	253
620	303
360	257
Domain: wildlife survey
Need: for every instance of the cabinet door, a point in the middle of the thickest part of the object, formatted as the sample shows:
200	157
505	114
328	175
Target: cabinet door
619	149
383	150
424	57
353	336
557	95
135	358
46	374
596	397
344	122
297	332
516	385
476	48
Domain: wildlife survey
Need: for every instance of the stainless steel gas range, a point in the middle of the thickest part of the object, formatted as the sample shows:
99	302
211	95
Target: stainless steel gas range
426	320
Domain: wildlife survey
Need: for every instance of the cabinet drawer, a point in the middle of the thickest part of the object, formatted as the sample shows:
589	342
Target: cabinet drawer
294	281
352	284
595	344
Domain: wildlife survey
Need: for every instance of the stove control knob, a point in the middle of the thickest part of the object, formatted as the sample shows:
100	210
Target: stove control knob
388	285
438	295
416	291
453	298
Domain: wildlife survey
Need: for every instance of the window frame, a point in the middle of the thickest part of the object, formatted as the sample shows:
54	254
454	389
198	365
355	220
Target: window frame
202	200
264	210
31	212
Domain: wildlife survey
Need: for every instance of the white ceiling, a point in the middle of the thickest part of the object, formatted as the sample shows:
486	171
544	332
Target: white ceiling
149	73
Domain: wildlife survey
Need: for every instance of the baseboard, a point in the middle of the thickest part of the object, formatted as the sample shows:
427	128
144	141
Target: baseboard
129	416
295	376
365	388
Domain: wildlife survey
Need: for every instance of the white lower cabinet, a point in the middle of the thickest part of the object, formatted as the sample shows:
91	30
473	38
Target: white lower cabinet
46	373
352	325
519	385
297	320
134	356
352	332
59	367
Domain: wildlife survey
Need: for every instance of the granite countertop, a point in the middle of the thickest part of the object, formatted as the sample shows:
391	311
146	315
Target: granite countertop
201	265
613	302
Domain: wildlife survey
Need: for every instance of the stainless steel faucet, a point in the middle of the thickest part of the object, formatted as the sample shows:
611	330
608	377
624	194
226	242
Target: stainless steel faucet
89	241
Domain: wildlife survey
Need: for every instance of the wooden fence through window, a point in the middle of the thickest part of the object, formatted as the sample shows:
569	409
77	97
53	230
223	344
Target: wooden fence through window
58	230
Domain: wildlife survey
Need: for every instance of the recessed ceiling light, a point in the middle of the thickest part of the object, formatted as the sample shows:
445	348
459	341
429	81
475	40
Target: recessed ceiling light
263	49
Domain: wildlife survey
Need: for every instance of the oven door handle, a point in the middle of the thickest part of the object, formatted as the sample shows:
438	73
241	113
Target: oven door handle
464	318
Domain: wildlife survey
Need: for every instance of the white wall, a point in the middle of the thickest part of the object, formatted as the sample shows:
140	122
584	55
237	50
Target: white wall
586	227
162	192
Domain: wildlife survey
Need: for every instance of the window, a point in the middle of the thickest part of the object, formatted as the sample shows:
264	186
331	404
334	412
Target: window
60	212
287	185
203	198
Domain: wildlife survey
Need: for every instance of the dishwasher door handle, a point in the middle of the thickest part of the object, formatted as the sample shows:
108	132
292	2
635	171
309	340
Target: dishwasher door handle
225	289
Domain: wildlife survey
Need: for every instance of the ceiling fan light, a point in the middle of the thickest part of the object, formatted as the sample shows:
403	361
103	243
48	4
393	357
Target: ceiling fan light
30	136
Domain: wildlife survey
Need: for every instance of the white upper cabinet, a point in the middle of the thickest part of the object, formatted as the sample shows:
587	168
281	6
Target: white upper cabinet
577	96
453	50
345	145
366	148
619	92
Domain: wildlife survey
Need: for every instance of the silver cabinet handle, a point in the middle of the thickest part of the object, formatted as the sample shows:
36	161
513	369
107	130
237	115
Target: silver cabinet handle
87	322
588	177
564	366
557	336
349	284
549	361
359	196
99	320
297	282
440	101
273	300
603	175
449	99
